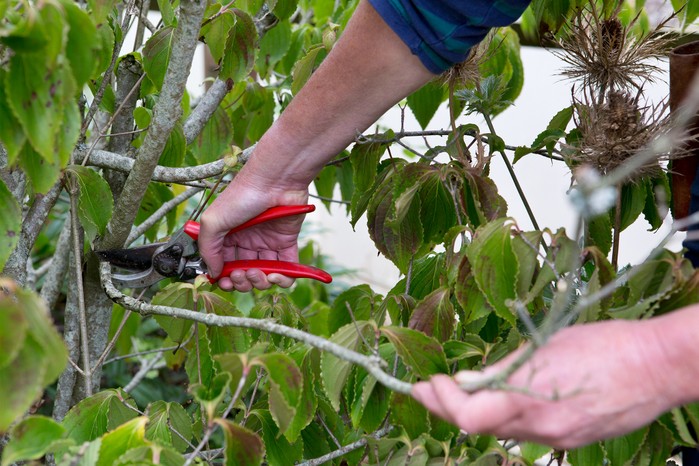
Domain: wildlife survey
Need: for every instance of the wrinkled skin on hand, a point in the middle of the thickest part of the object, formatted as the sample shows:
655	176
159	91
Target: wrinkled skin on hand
274	240
589	382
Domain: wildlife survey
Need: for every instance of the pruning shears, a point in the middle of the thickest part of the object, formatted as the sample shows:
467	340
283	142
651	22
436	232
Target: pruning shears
179	256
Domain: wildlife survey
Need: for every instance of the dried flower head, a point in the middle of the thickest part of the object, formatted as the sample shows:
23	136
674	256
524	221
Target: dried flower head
617	127
606	55
468	72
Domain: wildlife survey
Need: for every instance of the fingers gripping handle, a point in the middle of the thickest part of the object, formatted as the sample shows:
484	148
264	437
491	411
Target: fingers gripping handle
192	228
289	269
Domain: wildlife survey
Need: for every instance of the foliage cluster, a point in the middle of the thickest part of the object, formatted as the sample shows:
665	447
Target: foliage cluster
188	373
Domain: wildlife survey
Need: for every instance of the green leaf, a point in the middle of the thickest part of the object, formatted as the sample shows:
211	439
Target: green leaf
200	364
42	173
495	267
216	33
168	12
588	455
308	402
398	242
210	396
279	450
239	54
37	96
364	159
633	201
95	203
10	229
273	46
53	350
243	447
468	294
31	439
13	329
304	68
215	139
94	416
282	9
361	299
422	354
80	47
100	9
21	382
657	195
166	418
122	439
533	451
175	148
480	198
156	55
69	133
526	247
12	135
286	384
621	450
425	101
690	11
505	62
325	185
434	315
600	233
335	371
411	415
175	295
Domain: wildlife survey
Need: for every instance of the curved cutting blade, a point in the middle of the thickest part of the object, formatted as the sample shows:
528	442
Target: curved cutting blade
138	258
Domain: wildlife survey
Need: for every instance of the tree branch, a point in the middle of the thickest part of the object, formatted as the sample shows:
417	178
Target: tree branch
166	113
205	109
372	364
160	213
16	266
51	289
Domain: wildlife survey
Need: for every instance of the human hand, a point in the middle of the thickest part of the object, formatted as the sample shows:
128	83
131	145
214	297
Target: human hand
274	240
588	383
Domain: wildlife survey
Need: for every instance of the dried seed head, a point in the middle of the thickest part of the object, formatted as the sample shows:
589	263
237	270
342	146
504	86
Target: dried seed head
604	54
617	128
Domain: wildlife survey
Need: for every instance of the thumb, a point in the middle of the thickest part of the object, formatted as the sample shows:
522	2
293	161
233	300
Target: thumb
211	246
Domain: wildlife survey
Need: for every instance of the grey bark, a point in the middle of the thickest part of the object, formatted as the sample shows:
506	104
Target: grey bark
128	73
32	223
166	113
56	275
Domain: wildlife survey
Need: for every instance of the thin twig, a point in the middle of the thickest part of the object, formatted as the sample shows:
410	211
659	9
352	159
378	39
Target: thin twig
212	426
146	367
371	363
515	180
162	211
347	448
113	341
144	353
77	257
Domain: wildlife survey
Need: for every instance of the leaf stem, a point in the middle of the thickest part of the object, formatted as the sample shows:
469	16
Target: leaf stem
515	180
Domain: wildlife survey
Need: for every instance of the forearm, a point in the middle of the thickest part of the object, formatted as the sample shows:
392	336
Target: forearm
367	72
676	360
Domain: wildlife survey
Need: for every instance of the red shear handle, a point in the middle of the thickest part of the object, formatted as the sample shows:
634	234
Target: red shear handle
192	228
289	269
